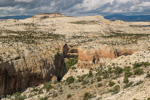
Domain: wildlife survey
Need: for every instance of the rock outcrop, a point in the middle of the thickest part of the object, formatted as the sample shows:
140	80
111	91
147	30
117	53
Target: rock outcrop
101	55
18	74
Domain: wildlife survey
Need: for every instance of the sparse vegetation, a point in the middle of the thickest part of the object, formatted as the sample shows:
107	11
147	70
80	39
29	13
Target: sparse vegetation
90	74
47	86
70	80
118	70
100	85
69	96
138	71
115	89
87	96
128	84
44	98
99	79
111	83
71	62
125	80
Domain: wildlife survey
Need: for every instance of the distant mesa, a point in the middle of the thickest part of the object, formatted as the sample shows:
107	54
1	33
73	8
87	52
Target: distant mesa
48	15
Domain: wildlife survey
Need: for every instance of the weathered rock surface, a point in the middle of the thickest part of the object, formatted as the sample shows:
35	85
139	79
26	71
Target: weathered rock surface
19	73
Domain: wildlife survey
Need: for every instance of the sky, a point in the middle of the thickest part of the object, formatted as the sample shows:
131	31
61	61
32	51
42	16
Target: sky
74	7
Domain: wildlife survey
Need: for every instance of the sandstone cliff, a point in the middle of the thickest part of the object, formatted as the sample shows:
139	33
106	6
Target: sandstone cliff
20	73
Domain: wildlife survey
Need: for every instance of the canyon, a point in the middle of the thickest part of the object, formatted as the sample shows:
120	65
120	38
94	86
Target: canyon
35	50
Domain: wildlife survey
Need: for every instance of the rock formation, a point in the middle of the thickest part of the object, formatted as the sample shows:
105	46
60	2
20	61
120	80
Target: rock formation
20	73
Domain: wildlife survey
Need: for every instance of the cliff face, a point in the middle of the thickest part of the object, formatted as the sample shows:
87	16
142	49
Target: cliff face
101	55
30	71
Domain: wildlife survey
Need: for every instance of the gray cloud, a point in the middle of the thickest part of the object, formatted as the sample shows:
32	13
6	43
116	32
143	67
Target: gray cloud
74	7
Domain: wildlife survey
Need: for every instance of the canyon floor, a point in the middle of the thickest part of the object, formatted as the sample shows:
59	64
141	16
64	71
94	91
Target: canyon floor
56	57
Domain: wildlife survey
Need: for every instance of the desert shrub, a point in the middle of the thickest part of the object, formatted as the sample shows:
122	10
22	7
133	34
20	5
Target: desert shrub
99	72
69	96
85	82
44	98
148	75
111	83
128	84
70	80
99	79
90	74
71	62
87	96
138	83
118	70
127	68
128	74
144	64
47	86
34	90
105	74
110	70
81	78
148	98
134	99
138	71
55	82
18	96
100	85
125	80
115	89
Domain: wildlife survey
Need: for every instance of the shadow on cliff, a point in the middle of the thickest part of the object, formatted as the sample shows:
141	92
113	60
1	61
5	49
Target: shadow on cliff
13	79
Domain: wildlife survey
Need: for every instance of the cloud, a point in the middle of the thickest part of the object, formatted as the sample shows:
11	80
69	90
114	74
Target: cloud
23	0
74	7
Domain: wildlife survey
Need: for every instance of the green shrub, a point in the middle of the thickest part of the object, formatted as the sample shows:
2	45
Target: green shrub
118	70
148	75
34	90
110	70
55	82
18	96
71	62
128	74
99	79
85	82
47	86
125	80
128	84
90	74
44	98
111	83
127	68
134	99
87	96
105	74
81	78
115	89
69	96
148	98
144	64
138	71
70	80
100	85
99	73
